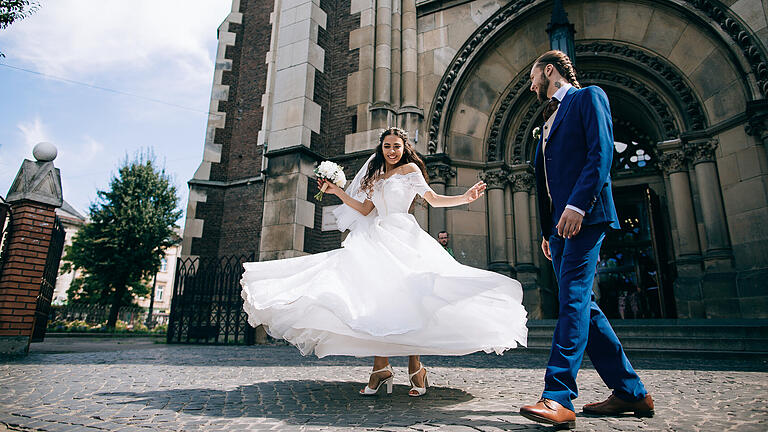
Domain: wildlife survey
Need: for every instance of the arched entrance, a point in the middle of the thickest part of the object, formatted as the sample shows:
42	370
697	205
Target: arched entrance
668	111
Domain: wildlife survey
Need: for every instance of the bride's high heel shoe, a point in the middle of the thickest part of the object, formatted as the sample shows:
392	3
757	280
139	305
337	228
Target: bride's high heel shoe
418	391
389	381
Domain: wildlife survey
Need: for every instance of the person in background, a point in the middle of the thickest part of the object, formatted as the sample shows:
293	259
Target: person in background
442	238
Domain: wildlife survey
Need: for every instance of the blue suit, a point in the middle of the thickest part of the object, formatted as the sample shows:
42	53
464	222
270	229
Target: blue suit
578	156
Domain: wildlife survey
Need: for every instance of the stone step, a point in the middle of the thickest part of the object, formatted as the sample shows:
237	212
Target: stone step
686	332
669	343
735	337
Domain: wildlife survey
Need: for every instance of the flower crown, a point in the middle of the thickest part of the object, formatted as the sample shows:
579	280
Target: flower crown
398	131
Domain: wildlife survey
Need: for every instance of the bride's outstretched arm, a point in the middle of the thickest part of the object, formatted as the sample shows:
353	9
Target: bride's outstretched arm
363	207
437	200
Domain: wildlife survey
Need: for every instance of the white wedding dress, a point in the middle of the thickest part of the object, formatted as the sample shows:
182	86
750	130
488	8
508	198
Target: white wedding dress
391	290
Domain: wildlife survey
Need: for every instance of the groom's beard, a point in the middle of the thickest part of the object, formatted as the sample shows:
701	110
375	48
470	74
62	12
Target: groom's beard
542	91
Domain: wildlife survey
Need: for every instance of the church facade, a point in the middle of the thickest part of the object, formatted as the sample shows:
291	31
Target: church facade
301	81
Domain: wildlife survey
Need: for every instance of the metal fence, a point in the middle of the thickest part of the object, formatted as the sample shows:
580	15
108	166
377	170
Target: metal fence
206	307
6	223
48	281
96	314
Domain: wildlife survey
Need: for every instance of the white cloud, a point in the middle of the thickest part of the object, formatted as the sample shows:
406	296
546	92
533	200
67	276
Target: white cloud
92	147
83	40
33	132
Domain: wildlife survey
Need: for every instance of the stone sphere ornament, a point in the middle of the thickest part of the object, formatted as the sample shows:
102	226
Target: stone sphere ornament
44	152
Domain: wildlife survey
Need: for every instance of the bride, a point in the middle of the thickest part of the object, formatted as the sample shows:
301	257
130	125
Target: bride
391	289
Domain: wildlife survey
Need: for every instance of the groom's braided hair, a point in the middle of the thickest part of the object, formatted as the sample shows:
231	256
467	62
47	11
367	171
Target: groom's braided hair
561	62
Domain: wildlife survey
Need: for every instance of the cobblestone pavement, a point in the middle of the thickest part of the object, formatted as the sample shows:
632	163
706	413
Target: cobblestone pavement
272	387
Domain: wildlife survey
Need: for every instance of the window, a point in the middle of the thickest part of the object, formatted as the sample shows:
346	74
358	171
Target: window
163	265
159	292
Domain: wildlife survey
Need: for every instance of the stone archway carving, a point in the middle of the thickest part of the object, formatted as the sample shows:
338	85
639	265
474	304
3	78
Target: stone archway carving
751	52
690	112
693	111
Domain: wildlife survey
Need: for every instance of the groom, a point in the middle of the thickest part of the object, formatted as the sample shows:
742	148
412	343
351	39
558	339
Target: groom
573	162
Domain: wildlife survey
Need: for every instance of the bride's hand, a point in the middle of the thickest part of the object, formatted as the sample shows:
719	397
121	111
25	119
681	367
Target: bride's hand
330	189
475	192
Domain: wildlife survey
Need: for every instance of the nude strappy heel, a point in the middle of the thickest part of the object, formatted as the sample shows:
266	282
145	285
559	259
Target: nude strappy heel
367	391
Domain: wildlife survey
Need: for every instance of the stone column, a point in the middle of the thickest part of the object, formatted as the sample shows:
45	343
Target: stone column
409	115
718	286
688	254
674	164
382	79
702	154
34	196
409	55
396	52
439	173
496	179
523	180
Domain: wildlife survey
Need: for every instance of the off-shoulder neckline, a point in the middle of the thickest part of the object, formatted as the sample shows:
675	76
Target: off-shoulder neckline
397	174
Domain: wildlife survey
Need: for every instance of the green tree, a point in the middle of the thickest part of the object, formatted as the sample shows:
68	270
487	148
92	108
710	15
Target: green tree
15	10
130	227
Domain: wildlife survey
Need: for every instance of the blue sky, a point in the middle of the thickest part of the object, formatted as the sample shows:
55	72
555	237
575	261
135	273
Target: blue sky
162	50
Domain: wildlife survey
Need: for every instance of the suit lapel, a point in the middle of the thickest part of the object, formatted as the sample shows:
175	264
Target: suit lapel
565	104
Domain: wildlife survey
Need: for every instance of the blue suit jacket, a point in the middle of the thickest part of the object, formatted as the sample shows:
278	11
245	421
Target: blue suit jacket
578	155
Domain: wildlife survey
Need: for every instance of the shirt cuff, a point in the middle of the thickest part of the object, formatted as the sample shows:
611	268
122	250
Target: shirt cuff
576	209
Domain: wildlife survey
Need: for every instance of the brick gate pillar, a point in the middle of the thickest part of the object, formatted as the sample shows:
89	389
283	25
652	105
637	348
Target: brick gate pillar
34	196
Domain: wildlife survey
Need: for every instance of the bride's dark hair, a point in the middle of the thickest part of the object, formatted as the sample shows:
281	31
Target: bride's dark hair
409	155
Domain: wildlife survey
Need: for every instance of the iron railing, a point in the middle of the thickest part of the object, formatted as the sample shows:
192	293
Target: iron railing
6	224
206	307
48	282
96	313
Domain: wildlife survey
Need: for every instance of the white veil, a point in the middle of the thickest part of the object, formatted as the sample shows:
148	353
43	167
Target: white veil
348	218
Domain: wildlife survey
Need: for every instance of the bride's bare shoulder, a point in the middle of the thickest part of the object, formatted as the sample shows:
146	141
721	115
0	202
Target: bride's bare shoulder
409	168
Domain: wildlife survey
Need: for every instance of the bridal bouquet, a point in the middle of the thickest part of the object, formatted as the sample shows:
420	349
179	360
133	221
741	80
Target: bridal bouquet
332	172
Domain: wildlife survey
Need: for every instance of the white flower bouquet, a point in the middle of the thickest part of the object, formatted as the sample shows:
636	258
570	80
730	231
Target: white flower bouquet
332	172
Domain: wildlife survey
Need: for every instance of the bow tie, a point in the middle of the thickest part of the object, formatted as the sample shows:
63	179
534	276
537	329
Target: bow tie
550	108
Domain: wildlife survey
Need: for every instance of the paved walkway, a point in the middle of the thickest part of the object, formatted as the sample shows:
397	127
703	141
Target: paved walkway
151	387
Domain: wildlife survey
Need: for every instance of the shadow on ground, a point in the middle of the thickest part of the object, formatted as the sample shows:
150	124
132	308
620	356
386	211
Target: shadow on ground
288	356
325	403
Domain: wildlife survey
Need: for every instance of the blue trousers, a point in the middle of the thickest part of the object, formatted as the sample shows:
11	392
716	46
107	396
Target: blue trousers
582	325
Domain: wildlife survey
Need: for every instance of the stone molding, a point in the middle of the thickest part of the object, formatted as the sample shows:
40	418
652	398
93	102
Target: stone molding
495	178
450	78
701	151
673	161
693	107
522	182
757	119
683	92
651	98
742	37
439	172
493	152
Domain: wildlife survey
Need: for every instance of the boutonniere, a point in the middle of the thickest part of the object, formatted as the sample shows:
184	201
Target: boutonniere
536	133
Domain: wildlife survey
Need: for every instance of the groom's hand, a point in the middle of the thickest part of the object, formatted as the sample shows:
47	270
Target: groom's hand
545	249
570	223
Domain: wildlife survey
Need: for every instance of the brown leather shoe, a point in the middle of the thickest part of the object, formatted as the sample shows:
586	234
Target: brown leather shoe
550	412
614	406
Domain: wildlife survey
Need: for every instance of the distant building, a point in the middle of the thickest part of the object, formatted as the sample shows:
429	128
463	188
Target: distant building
72	221
163	285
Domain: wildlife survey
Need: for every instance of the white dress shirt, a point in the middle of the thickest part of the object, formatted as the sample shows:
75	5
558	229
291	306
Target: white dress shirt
559	95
